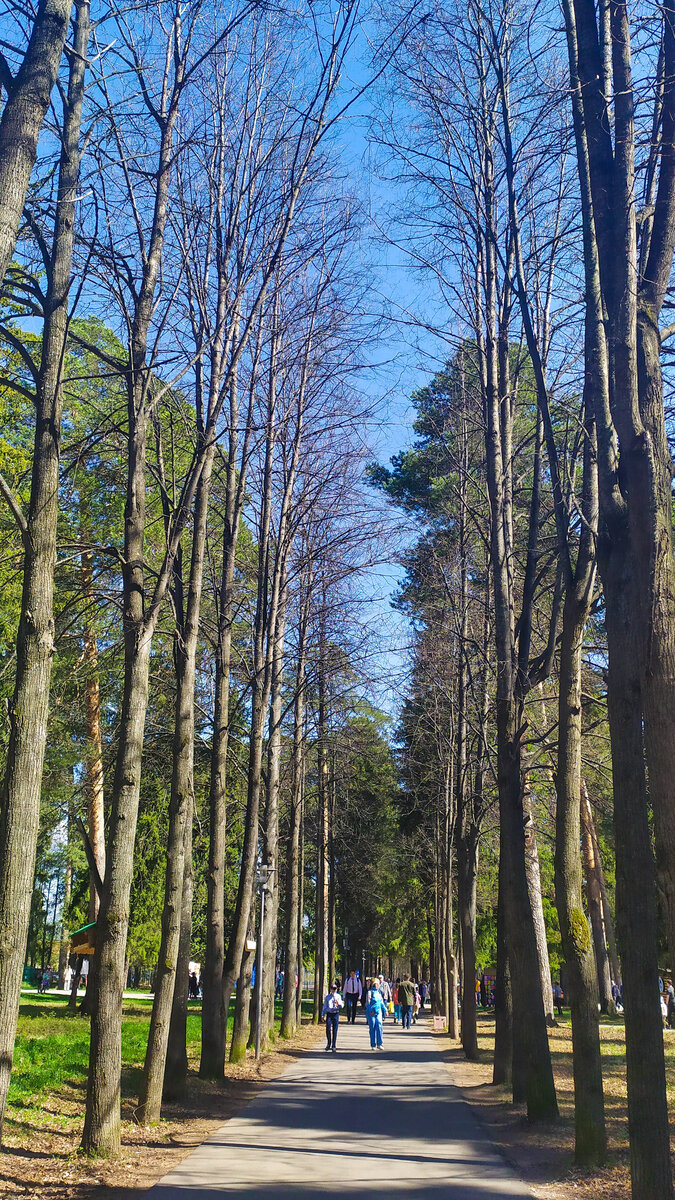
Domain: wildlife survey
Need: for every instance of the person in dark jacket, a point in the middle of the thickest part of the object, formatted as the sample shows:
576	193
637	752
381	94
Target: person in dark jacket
406	998
352	995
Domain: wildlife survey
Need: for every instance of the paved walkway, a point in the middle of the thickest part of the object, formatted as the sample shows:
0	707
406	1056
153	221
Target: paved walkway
359	1123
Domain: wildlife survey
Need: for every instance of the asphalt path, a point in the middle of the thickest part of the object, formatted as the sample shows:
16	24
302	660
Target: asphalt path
359	1123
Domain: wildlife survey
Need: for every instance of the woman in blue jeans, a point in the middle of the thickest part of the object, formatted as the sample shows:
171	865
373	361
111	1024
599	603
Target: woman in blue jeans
375	1009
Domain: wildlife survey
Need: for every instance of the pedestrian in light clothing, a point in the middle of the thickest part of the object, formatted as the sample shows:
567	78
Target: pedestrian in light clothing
385	990
376	1007
352	995
406	998
331	1011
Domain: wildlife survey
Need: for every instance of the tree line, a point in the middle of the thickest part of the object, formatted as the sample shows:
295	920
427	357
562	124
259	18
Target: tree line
539	203
185	318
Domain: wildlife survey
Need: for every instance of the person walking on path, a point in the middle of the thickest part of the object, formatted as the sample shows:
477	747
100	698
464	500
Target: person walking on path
406	998
331	1011
385	990
376	1007
397	1005
352	995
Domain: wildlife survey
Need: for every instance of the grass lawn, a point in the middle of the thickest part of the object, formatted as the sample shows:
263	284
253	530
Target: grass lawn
52	1050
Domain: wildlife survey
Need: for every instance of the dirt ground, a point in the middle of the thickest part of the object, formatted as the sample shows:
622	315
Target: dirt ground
543	1155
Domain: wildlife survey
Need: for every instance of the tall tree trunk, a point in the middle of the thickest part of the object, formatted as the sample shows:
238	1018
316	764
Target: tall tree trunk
293	963
607	918
272	788
242	1007
610	262
64	948
301	892
635	906
536	902
589	1115
532	1071
502	1071
102	1129
28	712
24	112
176	1071
265	622
594	901
467	871
214	1014
93	781
451	960
180	811
322	873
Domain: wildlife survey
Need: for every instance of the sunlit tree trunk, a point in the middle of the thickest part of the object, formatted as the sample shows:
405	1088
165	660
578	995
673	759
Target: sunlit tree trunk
28	710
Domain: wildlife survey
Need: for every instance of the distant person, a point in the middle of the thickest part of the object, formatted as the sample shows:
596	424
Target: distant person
406	997
67	978
423	994
670	1001
332	1004
193	986
558	998
352	995
376	1008
397	1002
417	1004
385	990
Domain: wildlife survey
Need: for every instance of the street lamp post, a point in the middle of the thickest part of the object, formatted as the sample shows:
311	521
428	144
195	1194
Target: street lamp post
263	882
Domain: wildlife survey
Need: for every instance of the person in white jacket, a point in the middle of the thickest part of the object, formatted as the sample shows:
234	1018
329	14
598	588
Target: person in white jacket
331	1011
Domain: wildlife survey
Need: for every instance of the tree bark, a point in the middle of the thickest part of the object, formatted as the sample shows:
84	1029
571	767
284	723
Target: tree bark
93	781
28	713
176	1070
536	903
180	811
23	115
610	264
594	901
272	789
589	1116
242	1006
607	918
467	872
292	958
532	1071
636	909
214	1014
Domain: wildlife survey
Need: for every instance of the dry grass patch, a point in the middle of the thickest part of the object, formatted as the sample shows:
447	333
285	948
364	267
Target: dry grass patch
544	1154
